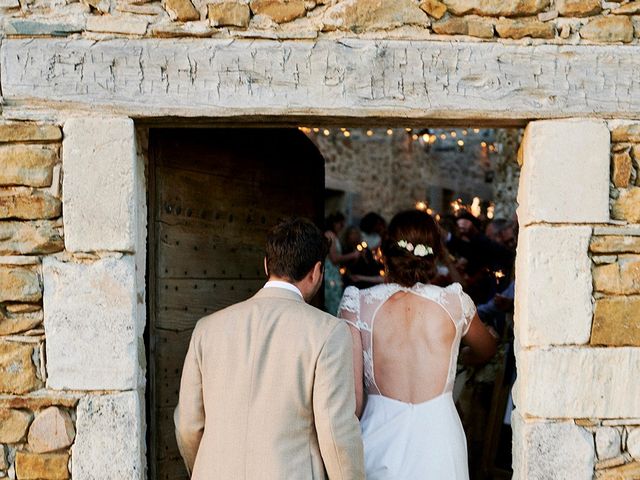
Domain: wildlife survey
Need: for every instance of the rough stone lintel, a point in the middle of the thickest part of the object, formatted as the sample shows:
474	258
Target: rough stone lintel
348	77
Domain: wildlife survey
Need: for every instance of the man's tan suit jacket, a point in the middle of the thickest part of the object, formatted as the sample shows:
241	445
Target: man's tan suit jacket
267	392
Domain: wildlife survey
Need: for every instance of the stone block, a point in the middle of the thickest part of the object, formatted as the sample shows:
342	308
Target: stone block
17	322
29	238
29	132
497	8
620	278
583	382
32	206
51	430
608	29
434	8
110	437
633	443
553	286
99	158
551	188
364	15
608	442
91	325
525	27
232	14
17	371
280	11
621	168
627	205
126	25
26	27
616	321
30	165
480	27
578	8
631	8
42	466
181	10
13	425
4	464
19	284
451	26
626	133
558	451
630	471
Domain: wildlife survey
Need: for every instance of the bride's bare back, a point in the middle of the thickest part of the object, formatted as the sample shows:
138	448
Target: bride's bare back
406	339
413	337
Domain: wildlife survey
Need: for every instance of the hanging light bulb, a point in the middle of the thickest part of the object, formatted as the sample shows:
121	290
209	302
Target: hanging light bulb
414	137
408	129
422	206
443	136
426	138
476	130
389	131
475	207
316	130
464	132
483	144
326	132
432	138
461	143
346	133
454	134
369	133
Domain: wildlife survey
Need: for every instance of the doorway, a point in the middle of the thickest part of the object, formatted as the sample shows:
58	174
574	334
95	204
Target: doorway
214	193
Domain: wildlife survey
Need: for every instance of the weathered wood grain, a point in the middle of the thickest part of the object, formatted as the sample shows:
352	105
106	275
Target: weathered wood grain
349	77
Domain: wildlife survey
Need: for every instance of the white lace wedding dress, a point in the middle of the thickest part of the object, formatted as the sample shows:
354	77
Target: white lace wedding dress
405	441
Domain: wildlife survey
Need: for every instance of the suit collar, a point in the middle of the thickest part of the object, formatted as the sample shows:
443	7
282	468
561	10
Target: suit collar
275	292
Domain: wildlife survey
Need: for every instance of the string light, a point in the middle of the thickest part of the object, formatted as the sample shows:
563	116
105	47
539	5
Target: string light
490	211
316	130
476	130
408	129
426	138
464	132
326	132
422	206
389	132
342	129
454	134
483	144
443	136
361	246
432	138
369	133
460	143
414	136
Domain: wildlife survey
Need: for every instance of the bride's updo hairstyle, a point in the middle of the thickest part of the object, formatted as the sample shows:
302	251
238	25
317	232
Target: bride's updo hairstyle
409	234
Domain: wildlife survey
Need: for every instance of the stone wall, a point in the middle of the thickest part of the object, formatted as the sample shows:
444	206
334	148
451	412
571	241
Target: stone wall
559	21
577	412
72	304
389	169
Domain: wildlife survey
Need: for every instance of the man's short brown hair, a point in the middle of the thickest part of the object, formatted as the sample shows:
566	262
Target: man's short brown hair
293	247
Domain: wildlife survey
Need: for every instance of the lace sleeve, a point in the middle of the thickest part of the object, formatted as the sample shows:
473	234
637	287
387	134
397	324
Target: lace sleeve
468	311
349	309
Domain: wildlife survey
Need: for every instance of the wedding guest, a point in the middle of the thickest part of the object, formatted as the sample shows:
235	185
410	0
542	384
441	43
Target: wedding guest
333	285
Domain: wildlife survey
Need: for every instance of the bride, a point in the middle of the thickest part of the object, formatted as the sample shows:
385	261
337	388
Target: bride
410	427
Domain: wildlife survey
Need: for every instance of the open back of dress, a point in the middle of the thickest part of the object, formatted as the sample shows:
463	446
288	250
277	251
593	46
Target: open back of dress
411	436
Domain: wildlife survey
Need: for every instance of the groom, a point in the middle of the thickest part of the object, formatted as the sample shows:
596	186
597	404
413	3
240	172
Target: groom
267	389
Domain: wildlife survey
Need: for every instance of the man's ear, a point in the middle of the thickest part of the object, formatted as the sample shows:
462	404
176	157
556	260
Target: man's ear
266	270
318	270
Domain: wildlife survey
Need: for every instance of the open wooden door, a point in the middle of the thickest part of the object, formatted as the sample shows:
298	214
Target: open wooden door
214	193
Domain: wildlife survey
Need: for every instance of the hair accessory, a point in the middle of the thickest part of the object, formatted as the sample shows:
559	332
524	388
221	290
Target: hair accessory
418	250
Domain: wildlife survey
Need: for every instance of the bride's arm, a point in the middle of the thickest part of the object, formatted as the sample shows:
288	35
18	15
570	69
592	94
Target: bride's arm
358	369
480	343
